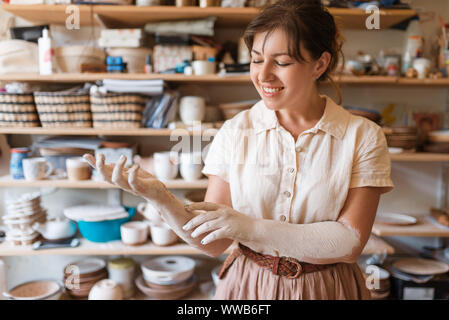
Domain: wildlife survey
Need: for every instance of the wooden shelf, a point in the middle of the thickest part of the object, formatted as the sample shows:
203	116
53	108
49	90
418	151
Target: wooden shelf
211	79
419	157
91	77
7	181
423	228
86	247
106	132
133	16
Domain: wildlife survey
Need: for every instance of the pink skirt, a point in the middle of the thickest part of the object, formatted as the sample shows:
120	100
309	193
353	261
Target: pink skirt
245	280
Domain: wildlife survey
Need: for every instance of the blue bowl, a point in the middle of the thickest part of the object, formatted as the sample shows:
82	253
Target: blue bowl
104	231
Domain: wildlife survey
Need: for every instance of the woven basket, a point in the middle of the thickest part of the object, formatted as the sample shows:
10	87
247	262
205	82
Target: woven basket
117	110
18	110
63	109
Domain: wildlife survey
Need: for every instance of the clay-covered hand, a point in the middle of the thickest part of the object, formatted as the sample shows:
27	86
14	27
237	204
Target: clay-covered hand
222	221
133	180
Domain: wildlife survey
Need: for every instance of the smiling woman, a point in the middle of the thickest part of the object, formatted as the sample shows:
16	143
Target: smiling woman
294	182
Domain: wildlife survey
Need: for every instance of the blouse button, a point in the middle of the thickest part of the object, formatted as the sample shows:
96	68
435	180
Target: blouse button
287	194
291	170
283	218
298	149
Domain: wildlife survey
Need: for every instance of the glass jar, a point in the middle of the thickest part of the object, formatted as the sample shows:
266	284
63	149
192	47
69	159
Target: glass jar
122	272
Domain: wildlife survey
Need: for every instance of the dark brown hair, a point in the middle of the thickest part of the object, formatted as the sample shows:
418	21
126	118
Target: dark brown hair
305	22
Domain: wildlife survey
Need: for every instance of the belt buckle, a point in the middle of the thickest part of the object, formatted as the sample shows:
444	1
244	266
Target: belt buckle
299	268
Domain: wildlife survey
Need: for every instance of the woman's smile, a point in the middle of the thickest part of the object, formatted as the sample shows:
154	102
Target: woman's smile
269	91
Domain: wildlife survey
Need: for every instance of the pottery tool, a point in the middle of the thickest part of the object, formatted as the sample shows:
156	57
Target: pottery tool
71	243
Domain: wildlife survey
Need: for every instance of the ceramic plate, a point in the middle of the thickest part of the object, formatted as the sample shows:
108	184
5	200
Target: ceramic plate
420	266
87	266
396	219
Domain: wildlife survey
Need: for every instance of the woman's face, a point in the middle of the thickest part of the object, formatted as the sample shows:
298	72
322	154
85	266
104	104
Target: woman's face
281	81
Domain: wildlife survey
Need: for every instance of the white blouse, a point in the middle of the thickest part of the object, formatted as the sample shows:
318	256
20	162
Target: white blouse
271	176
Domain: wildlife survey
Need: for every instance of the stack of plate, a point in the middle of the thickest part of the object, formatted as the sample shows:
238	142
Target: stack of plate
402	137
378	282
167	278
21	214
437	142
81	276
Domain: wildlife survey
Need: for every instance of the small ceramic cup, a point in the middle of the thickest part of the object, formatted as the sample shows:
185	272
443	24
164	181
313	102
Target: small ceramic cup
422	65
106	289
77	169
166	165
149	212
36	168
191	166
162	235
192	109
203	67
134	233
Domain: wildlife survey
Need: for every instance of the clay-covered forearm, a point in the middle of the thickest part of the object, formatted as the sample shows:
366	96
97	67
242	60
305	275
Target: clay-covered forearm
174	213
319	243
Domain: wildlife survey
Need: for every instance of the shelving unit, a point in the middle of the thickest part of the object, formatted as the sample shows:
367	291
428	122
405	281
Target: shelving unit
7	181
211	79
133	16
86	247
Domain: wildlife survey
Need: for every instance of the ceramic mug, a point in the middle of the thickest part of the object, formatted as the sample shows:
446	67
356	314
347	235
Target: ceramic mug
134	233
203	67
36	168
192	109
191	166
149	212
106	289
162	235
422	65
166	165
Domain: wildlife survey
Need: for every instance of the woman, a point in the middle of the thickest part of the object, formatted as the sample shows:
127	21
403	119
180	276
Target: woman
295	181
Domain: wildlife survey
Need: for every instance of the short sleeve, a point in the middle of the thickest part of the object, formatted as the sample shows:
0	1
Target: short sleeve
217	161
372	165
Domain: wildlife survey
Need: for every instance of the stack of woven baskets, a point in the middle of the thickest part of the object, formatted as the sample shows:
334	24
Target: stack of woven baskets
71	110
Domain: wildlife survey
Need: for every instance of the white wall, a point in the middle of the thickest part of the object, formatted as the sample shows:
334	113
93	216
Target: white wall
416	184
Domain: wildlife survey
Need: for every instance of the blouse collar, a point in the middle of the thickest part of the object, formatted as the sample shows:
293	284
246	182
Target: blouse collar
334	120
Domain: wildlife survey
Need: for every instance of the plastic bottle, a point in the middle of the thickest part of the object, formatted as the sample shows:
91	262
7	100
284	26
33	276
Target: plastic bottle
46	54
414	44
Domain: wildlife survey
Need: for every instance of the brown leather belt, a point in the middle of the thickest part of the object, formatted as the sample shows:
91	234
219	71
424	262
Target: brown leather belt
281	266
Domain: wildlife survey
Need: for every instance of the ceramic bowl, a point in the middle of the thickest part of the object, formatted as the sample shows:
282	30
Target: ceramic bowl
171	293
168	270
36	290
162	235
134	233
106	289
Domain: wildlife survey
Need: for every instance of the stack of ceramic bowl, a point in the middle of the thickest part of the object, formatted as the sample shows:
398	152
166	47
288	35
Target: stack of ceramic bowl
167	278
81	276
402	137
36	290
437	142
379	282
21	214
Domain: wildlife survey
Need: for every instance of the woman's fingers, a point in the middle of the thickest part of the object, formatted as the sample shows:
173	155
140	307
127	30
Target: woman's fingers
199	219
101	167
133	180
215	235
119	177
206	206
207	226
90	159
